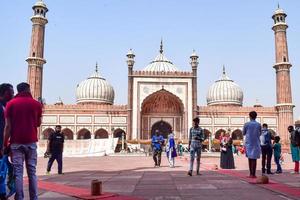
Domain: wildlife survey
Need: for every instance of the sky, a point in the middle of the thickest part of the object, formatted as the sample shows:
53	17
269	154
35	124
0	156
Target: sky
80	33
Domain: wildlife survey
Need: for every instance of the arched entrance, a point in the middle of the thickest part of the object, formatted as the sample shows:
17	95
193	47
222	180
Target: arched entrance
68	134
83	134
46	133
163	127
162	110
101	134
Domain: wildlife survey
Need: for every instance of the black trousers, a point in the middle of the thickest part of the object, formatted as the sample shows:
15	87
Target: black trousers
266	152
157	157
58	157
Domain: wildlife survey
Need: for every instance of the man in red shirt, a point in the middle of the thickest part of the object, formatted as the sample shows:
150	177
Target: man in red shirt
22	117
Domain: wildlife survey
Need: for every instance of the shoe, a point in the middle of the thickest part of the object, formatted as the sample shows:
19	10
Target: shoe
278	172
271	173
293	172
61	173
198	173
251	176
190	173
47	173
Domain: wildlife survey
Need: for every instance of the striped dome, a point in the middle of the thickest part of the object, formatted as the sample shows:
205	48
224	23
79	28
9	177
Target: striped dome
161	63
225	92
95	89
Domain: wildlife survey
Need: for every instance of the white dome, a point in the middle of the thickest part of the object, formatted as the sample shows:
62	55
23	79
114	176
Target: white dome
161	63
225	92
95	89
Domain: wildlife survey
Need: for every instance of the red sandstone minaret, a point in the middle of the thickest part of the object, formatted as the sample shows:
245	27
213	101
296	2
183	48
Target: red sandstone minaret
283	81
194	63
130	62
36	55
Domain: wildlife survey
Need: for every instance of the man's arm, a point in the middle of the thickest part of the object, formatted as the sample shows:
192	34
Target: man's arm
190	138
7	131
39	117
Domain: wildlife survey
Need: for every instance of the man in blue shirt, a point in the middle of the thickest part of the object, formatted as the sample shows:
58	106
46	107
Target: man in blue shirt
252	131
6	94
266	149
157	143
196	137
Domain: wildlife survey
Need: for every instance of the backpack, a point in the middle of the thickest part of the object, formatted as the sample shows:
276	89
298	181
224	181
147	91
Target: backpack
297	137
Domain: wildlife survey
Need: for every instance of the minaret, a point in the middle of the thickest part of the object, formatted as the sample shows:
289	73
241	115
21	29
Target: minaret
283	81
36	55
130	62
194	63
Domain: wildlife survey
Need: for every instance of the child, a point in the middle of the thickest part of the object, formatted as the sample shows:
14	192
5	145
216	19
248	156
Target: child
277	154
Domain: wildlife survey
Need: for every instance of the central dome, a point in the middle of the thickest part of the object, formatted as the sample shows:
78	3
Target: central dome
225	92
161	63
95	89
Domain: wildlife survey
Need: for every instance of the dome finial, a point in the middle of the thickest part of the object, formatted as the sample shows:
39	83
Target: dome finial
96	70
224	70
161	46
278	6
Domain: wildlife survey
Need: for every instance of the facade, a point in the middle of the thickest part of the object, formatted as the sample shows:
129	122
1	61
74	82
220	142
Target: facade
160	97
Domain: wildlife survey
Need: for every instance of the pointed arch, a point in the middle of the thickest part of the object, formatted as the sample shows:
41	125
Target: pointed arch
46	133
101	133
68	133
218	133
83	134
237	135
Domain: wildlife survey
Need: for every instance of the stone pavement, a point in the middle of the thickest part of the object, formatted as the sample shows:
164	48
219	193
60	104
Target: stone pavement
136	178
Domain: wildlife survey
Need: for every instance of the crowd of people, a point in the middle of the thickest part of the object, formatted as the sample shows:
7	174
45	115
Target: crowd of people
20	116
258	143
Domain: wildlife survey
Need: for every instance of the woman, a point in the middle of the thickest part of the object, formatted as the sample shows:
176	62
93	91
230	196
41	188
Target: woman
226	161
295	150
171	149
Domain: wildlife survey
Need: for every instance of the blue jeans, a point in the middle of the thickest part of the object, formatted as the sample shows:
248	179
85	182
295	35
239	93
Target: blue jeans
27	153
193	151
276	159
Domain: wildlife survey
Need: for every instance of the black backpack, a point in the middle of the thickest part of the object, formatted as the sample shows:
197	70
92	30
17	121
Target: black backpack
297	137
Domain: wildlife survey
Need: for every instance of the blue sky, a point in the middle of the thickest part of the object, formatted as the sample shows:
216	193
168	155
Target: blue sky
80	32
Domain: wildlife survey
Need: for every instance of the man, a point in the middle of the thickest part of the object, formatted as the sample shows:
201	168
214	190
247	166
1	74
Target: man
295	146
6	94
22	117
55	148
196	137
252	130
157	143
266	149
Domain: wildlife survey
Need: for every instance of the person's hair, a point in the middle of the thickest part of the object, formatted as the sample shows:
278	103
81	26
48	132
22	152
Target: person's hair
276	139
291	127
265	125
4	87
196	120
58	126
253	115
22	87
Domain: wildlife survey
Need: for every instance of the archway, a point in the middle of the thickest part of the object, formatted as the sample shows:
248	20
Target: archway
83	134
237	135
68	134
101	133
206	143
46	133
118	134
161	104
273	133
218	133
163	127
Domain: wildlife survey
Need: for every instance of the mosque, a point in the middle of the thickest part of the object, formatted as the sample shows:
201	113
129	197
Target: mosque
160	97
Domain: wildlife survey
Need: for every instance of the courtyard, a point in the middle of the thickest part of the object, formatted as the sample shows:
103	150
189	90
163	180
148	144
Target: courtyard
134	177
